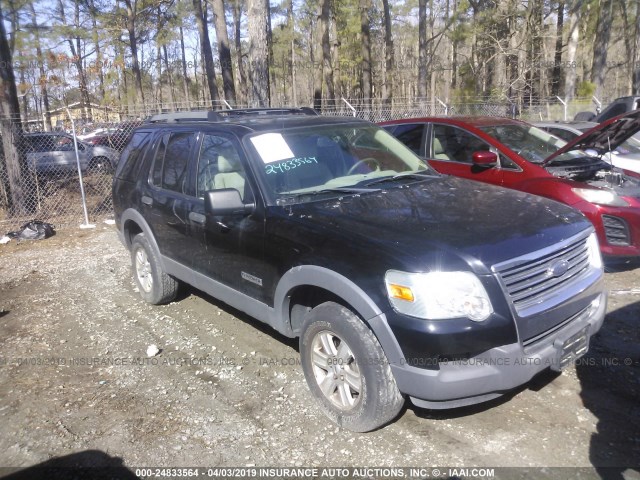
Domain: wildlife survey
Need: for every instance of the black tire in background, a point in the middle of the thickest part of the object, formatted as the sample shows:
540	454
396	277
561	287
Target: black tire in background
584	117
156	286
347	370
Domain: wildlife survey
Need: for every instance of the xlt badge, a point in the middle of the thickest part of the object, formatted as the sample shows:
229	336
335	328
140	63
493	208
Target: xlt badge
251	278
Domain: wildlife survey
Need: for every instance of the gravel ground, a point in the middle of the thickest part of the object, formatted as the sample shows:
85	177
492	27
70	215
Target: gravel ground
227	391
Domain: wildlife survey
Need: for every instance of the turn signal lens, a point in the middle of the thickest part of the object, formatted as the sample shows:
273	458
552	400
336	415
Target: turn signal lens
400	292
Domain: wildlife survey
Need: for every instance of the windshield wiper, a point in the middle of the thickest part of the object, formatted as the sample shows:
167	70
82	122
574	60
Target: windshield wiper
401	176
291	197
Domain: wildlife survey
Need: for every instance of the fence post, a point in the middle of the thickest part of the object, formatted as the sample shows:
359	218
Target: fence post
350	106
86	223
598	104
564	104
446	108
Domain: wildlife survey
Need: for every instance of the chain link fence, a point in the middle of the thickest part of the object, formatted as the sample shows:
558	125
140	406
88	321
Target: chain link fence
44	175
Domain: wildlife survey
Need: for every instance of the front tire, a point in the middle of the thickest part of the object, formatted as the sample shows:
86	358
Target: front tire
155	286
347	370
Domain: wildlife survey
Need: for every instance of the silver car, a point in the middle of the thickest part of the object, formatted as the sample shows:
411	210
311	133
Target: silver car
625	156
55	153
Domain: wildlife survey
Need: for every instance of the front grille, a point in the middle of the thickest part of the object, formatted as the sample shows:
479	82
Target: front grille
616	231
535	280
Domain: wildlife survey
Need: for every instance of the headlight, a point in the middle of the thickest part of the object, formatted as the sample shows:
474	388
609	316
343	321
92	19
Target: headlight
593	246
600	197
438	295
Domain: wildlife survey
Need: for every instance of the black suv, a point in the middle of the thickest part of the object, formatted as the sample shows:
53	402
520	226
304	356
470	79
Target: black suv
398	281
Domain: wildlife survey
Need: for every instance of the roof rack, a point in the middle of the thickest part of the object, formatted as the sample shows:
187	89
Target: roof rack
218	116
201	116
269	111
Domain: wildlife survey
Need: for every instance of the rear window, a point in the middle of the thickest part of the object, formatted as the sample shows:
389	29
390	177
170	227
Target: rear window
131	157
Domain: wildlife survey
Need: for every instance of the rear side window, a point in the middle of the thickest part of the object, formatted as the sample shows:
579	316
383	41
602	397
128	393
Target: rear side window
172	158
565	135
131	157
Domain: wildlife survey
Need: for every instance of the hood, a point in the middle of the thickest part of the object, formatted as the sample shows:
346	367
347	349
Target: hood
479	223
605	137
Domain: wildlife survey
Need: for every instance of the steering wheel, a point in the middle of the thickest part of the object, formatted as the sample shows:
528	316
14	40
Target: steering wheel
364	161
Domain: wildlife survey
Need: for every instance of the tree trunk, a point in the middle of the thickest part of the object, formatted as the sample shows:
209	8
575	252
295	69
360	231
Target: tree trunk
207	54
242	76
601	45
76	58
291	60
422	49
316	56
335	53
172	95
185	77
42	81
224	50
159	75
636	53
11	128
96	41
133	45
366	84
572	47
258	13
556	77
387	89
327	68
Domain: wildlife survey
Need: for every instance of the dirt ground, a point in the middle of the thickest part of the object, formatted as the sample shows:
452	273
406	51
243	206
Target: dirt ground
226	391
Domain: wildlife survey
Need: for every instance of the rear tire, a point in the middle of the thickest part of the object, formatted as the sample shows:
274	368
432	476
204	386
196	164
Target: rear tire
347	370
155	286
100	165
584	117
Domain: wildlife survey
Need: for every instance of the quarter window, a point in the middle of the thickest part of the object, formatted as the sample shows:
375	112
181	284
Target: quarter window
132	156
411	136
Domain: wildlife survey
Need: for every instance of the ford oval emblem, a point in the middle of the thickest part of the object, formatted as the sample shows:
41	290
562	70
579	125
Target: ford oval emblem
558	268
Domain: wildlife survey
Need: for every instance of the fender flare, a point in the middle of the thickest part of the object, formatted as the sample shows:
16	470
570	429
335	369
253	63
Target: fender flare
133	215
342	287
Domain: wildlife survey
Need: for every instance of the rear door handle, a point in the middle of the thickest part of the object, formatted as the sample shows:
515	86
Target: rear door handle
147	200
197	217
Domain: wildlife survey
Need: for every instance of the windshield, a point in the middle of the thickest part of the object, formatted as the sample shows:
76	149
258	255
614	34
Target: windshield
300	164
631	146
531	143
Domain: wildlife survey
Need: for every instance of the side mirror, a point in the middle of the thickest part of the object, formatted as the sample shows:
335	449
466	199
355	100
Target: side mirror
226	201
484	159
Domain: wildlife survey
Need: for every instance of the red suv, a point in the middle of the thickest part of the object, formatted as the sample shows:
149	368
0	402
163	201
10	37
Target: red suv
517	155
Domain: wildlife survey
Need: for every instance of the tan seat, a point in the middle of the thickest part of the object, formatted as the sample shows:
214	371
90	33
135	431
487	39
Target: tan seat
230	175
438	150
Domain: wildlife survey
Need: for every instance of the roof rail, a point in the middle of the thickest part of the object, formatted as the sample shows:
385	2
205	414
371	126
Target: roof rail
173	117
218	116
269	111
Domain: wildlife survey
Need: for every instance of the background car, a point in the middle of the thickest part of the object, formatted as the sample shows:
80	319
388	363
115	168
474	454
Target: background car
92	135
54	153
619	106
518	155
116	138
626	156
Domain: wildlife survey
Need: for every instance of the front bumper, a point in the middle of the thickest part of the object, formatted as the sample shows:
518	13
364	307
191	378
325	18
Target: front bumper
629	220
494	372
